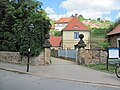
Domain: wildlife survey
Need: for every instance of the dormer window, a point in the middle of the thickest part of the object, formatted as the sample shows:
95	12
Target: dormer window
76	27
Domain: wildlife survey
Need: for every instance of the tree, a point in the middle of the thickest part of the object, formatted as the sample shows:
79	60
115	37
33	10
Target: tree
76	15
2	9
98	19
98	31
14	35
57	33
112	26
81	18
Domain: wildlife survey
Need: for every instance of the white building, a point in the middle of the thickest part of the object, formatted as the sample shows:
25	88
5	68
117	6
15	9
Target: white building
61	23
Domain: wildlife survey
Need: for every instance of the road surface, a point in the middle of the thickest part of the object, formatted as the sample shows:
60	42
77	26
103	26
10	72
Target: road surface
16	81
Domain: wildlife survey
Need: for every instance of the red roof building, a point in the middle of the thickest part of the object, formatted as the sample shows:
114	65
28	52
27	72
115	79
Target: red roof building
71	32
71	28
64	20
55	41
115	31
75	24
114	37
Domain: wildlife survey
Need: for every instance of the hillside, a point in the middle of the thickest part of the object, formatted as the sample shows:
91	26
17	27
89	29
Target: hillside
96	23
99	23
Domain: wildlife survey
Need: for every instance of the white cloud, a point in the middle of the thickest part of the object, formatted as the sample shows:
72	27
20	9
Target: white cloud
49	10
55	16
88	13
118	16
93	4
108	18
52	15
90	8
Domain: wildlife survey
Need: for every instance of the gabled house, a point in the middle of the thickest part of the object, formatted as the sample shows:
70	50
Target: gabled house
70	34
55	41
114	37
61	23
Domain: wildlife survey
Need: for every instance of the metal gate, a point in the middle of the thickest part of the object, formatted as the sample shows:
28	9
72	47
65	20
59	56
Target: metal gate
67	53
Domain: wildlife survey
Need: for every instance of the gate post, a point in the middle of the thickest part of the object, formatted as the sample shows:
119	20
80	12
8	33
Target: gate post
81	51
47	52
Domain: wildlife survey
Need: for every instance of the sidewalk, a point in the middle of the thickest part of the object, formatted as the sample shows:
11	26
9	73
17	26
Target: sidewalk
66	70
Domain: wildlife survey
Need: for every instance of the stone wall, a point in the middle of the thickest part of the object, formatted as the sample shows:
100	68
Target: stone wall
15	57
92	57
54	53
10	57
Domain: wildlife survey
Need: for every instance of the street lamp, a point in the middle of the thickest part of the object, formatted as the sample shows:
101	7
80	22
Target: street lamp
30	27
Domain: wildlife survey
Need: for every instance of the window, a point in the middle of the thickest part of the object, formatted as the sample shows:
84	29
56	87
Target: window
76	27
76	35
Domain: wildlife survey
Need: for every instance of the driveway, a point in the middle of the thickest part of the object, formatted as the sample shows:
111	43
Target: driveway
70	70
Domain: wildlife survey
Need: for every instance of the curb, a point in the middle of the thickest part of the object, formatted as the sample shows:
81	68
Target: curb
16	71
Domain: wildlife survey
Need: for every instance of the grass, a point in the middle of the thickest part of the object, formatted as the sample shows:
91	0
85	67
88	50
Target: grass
102	67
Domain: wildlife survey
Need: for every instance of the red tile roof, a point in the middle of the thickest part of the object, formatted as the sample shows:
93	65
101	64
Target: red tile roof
55	41
116	30
75	24
64	20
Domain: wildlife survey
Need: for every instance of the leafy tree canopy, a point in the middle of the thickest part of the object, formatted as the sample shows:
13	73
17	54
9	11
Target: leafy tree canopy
15	17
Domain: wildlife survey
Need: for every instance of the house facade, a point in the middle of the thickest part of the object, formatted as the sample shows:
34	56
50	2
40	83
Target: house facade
114	37
70	34
62	23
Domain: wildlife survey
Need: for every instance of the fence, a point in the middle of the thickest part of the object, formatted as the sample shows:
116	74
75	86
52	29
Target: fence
67	53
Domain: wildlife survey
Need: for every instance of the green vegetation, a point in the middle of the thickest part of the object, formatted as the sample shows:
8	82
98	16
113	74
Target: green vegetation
15	17
52	22
101	23
81	18
102	67
99	31
55	32
98	39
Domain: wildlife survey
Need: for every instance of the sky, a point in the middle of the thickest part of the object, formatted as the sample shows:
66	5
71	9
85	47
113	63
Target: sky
104	9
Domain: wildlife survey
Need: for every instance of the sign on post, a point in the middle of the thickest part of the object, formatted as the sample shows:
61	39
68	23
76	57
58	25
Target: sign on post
113	55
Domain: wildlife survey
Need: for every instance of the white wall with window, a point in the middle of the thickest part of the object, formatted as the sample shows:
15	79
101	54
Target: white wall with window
71	38
60	26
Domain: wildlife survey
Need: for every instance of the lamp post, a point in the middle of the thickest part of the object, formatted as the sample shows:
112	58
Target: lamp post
30	27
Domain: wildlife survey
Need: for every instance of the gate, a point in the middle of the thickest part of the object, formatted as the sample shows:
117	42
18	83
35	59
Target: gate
67	53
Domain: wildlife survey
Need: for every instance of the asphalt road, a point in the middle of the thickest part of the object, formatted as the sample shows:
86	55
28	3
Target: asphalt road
16	81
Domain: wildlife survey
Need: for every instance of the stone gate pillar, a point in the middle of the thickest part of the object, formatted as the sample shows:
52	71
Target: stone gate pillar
81	51
47	52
